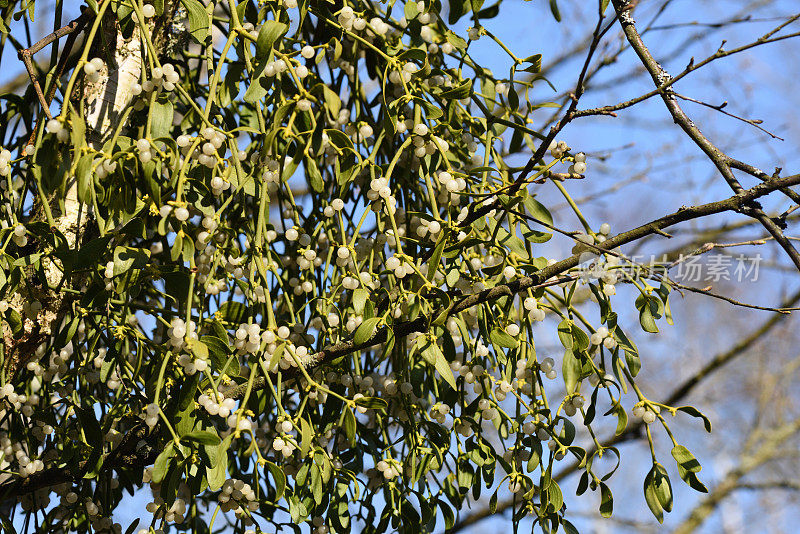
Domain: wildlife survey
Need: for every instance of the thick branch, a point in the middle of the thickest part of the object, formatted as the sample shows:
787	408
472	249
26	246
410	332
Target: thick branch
421	324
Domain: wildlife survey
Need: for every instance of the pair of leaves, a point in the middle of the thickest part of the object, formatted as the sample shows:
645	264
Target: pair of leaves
658	491
688	467
434	356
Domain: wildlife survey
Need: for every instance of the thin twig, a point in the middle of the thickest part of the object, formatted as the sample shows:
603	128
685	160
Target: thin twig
27	54
720	107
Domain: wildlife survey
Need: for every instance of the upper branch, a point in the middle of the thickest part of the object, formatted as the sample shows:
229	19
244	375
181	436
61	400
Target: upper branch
718	158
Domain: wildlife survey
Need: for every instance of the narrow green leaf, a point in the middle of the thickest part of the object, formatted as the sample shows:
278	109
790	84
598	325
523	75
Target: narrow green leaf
217	472
332	101
686	459
350	425
83	176
269	33
203	437
555	11
663	488
360	297
500	337
436	258
306	435
565	334
456	41
606	500
694	412
161	464
365	330
280	479
462	90
410	10
622	419
571	369
161	117
126	258
372	403
232	312
651	497
198	19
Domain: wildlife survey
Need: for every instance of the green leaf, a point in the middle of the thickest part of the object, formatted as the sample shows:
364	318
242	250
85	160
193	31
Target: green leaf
350	425
339	139
554	495
198	20
500	337
126	258
360	297
663	488
365	330
199	349
462	90
622	419
507	239
606	501
161	464
306	435
631	352
232	312
258	89
647	320
280	479
458	8
489	12
217	472
436	258
270	32
540	214
332	101
161	117
535	63
129	530
218	352
27	261
456	41
565	334
372	403
411	10
691	480
555	11
650	495
314	176
14	320
203	437
571	369
83	176
434	356
694	412
686	459
489	92
580	338
316	483
77	130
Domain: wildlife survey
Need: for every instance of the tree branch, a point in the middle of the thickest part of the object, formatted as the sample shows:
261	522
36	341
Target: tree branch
421	324
720	159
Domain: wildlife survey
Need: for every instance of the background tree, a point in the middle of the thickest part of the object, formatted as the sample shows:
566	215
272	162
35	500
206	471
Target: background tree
286	263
